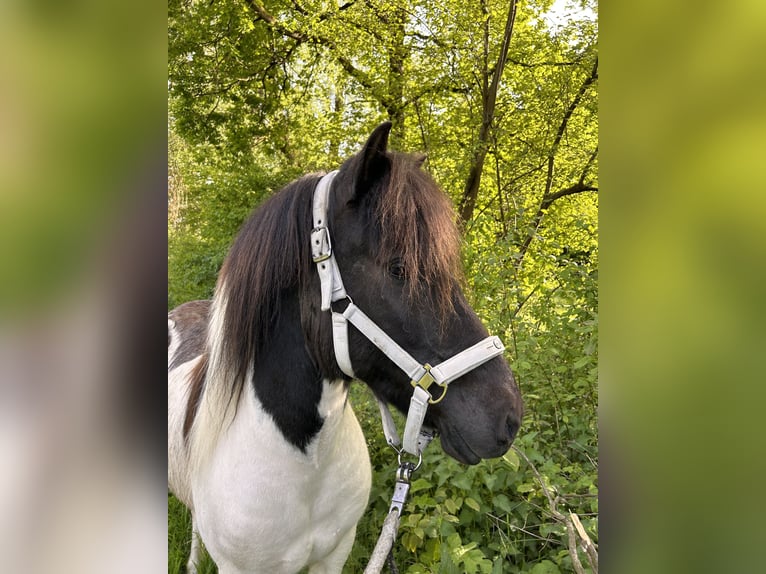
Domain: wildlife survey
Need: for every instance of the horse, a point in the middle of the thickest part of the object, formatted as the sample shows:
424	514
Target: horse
263	447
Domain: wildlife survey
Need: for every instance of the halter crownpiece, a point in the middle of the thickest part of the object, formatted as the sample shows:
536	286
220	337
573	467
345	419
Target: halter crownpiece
422	376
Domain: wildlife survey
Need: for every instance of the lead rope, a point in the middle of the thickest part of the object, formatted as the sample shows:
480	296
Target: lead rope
383	551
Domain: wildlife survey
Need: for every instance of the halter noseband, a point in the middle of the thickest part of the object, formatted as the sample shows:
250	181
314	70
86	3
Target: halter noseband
422	376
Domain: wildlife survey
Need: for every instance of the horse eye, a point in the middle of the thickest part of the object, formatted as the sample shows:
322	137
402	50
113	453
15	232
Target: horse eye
396	269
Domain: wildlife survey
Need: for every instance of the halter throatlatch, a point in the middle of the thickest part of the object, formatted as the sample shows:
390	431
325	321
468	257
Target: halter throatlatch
422	376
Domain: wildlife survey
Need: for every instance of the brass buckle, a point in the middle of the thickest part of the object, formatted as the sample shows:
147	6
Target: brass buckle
426	381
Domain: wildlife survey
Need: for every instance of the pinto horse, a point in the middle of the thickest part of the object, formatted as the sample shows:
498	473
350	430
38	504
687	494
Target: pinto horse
263	446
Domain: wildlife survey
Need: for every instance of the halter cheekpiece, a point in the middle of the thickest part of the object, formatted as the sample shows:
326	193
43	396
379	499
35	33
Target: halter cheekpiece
422	376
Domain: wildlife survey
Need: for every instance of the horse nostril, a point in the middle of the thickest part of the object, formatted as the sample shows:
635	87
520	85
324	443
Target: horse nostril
508	432
512	426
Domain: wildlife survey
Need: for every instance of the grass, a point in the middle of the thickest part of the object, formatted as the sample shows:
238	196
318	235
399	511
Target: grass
179	540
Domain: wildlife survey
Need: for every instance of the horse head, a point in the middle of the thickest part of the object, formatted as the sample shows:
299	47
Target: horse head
397	247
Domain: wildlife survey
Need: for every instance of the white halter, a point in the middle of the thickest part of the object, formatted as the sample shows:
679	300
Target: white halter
422	376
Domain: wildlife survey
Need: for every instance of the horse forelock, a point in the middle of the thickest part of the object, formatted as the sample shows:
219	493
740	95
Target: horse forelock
417	226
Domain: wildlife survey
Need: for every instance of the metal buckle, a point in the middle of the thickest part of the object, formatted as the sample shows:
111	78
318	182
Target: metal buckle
403	464
401	489
406	468
426	381
403	478
320	237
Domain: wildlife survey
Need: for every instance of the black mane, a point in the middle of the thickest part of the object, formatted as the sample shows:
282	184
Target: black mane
270	254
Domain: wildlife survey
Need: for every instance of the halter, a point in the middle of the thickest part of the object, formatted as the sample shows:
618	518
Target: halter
422	376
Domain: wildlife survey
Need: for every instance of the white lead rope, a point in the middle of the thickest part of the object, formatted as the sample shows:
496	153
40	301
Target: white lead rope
422	376
385	543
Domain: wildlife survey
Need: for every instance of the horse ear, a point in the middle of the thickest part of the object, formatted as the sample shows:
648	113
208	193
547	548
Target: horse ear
373	161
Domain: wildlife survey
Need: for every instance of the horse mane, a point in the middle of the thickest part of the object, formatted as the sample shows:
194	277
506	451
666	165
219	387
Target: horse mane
271	253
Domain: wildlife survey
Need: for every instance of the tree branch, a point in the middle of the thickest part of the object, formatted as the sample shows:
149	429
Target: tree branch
324	15
548	197
585	541
539	64
565	121
299	8
264	15
588	165
489	99
427	38
360	76
521	304
546	202
378	14
572	523
439	86
579	187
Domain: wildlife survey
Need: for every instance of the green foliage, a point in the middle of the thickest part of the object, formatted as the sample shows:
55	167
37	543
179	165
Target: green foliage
179	540
489	518
211	194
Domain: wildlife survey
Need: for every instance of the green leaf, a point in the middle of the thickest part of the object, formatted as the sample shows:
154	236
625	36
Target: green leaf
511	459
581	362
462	481
419	484
545	567
502	502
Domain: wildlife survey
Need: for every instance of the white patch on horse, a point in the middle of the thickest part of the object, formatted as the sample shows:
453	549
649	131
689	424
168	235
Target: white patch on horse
215	411
178	453
175	341
262	505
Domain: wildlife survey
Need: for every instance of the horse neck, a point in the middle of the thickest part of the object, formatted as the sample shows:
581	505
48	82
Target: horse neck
285	378
285	382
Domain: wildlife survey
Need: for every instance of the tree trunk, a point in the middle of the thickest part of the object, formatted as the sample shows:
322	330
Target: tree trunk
338	105
397	56
489	98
